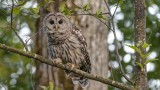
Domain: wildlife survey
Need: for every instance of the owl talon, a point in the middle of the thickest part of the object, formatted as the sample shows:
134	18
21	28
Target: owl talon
57	60
72	66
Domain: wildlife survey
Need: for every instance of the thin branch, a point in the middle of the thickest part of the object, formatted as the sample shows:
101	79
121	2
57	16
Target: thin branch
94	15
21	4
28	39
116	43
12	13
89	14
107	7
104	23
115	9
14	29
25	46
64	67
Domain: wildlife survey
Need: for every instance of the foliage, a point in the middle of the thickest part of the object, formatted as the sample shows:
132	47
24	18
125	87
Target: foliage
15	71
49	87
143	55
126	26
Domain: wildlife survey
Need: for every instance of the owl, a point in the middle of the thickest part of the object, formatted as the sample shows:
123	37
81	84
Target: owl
66	42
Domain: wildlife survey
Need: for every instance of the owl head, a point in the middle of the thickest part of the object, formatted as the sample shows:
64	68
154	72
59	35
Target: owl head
56	23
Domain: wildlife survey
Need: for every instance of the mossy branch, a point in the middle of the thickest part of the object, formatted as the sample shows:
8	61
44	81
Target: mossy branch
64	67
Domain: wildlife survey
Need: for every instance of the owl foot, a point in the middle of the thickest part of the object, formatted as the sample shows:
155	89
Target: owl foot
72	66
57	60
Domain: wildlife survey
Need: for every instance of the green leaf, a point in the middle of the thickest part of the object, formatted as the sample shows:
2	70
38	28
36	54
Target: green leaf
35	10
99	14
121	2
67	12
44	87
22	2
51	86
150	60
41	4
123	6
87	7
145	45
36	15
146	55
16	10
139	43
134	48
140	65
138	50
47	1
64	9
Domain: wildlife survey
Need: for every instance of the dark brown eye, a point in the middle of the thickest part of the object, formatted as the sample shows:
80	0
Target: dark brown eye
51	22
60	21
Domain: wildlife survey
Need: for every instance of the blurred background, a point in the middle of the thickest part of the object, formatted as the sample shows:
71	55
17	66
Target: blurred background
21	73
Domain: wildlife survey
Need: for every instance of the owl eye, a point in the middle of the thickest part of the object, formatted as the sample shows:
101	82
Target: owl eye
60	21
51	22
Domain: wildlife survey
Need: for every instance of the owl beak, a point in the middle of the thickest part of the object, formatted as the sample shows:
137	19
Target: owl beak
56	27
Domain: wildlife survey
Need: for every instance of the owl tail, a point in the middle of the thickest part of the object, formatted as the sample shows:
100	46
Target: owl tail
82	81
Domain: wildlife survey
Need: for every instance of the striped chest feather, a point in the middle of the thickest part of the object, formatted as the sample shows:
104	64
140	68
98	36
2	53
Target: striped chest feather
70	51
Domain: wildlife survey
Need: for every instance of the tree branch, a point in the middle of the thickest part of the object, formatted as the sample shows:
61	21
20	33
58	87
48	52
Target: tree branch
92	14
116	42
25	46
64	67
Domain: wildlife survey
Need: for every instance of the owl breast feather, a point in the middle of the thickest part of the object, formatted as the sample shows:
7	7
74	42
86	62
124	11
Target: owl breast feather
69	51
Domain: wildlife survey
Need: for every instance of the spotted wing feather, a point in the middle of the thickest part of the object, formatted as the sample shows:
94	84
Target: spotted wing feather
86	66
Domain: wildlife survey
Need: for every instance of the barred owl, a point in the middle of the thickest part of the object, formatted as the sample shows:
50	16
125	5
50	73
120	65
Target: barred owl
65	41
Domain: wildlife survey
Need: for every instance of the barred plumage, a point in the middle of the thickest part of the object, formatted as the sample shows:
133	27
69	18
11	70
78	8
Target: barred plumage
68	43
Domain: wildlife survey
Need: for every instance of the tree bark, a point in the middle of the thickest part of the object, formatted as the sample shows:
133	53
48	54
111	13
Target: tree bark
140	38
44	72
42	75
95	33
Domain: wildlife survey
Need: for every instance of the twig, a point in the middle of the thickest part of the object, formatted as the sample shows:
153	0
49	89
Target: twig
107	7
94	15
64	67
28	39
25	46
12	13
116	43
21	4
104	23
14	29
115	9
89	14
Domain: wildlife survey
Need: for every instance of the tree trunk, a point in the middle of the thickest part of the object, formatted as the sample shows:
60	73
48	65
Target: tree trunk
140	38
96	36
44	72
41	77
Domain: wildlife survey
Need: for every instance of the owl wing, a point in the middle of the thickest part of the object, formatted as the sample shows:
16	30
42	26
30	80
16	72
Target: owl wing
86	64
